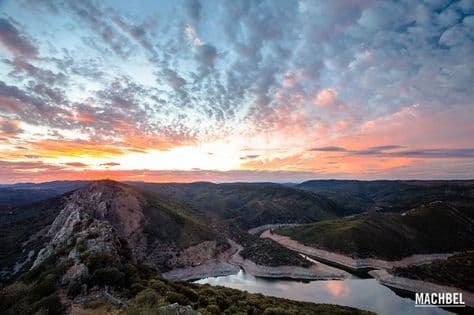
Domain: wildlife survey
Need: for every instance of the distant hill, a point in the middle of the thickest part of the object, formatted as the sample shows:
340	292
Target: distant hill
250	204
25	193
434	228
395	196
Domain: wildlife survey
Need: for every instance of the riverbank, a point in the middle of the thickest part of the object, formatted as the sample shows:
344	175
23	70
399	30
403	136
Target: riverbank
386	278
317	271
380	267
349	262
229	265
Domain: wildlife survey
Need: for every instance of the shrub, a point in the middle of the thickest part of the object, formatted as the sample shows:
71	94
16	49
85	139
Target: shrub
159	286
188	292
213	309
174	297
147	296
276	311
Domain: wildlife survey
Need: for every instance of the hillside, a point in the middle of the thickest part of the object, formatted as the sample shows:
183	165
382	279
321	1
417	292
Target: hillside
104	278
434	228
250	204
101	248
156	228
395	196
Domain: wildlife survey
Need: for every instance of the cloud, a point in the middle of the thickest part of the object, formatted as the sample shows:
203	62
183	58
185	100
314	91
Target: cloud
346	76
9	128
12	172
397	151
76	164
326	97
22	69
386	147
15	42
330	149
110	164
193	9
249	157
206	54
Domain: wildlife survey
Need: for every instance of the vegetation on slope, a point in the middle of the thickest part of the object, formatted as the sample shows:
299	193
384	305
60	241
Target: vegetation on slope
437	227
47	290
354	196
250	205
456	271
266	252
174	222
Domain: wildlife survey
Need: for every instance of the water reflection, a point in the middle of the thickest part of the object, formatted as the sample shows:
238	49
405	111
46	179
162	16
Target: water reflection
361	293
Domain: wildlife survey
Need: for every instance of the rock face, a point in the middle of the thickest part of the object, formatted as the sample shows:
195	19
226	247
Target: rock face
98	217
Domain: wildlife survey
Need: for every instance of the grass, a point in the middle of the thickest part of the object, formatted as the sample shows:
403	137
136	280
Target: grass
437	227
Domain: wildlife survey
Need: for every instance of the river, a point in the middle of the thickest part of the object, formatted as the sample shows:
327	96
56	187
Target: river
365	294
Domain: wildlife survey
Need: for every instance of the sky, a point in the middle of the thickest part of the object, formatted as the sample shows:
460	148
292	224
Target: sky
236	90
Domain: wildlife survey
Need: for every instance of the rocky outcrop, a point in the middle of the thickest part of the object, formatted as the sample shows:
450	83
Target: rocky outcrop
94	216
215	266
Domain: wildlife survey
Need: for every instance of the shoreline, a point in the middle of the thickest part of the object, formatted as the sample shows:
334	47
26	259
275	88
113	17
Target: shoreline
319	270
379	267
354	263
217	268
412	285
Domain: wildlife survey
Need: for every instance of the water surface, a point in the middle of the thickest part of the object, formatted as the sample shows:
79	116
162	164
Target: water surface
365	294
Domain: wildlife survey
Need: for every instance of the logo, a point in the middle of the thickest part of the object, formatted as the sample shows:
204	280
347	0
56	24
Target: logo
439	299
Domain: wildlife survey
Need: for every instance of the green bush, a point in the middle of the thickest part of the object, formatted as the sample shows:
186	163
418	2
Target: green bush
213	309
175	297
276	311
188	292
159	286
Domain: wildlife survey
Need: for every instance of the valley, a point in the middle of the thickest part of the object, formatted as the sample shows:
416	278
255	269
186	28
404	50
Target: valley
134	242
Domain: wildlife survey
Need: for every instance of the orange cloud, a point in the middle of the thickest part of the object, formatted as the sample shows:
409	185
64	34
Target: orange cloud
74	148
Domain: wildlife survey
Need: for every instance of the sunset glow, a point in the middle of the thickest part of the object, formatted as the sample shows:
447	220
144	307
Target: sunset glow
236	91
